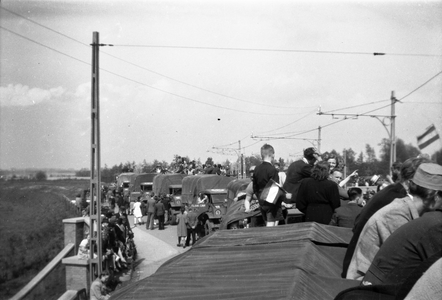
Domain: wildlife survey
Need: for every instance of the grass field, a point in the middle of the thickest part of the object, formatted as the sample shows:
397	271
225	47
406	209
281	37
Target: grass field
31	229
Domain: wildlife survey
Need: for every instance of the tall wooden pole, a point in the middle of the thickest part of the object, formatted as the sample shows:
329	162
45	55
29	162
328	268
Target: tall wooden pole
319	139
95	263
392	132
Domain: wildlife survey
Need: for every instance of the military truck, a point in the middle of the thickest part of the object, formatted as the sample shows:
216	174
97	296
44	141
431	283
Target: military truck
143	183
170	184
207	195
125	181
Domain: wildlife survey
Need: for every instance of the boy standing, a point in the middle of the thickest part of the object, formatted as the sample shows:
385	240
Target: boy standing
271	213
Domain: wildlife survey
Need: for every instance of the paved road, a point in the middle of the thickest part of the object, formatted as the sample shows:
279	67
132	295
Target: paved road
154	248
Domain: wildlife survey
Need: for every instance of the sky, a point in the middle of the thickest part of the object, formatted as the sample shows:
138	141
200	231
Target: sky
207	78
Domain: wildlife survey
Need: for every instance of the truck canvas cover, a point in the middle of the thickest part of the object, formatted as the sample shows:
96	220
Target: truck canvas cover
162	182
296	261
192	185
125	177
236	186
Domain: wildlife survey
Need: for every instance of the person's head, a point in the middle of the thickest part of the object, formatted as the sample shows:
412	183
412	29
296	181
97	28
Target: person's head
320	171
427	185
355	194
252	170
267	152
336	176
311	155
332	161
277	165
396	171
138	198
104	276
409	167
182	209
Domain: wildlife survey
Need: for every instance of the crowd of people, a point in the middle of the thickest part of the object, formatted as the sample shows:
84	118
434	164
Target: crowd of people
397	229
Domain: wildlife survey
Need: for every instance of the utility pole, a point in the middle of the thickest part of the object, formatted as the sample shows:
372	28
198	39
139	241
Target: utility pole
319	139
95	263
241	159
392	132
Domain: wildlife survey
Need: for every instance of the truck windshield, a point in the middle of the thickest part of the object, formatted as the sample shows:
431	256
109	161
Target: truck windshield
218	198
146	188
176	192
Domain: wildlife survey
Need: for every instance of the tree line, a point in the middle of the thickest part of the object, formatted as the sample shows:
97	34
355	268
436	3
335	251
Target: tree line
366	162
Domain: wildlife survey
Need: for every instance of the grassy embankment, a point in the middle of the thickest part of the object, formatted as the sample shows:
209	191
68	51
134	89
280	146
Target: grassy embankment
31	229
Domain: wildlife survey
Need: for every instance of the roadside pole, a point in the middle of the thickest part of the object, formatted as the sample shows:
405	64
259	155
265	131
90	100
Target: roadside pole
95	263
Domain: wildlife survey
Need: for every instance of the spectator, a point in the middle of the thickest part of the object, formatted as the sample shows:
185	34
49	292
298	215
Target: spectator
333	162
181	227
250	195
298	170
138	214
379	200
406	249
318	197
150	208
165	199
263	174
159	212
336	176
422	198
98	289
191	223
345	215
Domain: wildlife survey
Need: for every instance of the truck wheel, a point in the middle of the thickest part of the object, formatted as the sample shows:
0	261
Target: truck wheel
234	225
173	220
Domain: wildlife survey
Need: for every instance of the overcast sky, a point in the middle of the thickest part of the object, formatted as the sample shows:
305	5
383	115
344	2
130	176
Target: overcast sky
184	77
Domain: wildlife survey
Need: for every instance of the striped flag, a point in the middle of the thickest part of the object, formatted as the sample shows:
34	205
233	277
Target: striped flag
428	137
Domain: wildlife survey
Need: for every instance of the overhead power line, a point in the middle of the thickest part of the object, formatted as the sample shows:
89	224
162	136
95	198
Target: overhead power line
421	85
151	71
149	86
275	50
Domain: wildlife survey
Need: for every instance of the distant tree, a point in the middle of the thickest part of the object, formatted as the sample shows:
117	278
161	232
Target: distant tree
83	173
41	176
371	155
437	157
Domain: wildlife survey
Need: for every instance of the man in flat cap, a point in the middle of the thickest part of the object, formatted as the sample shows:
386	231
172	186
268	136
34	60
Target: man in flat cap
425	194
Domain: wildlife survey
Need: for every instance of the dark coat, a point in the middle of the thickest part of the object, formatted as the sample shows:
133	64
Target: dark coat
159	208
318	199
295	173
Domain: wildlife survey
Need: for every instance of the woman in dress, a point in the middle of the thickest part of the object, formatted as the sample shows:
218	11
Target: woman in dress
137	212
318	197
181	227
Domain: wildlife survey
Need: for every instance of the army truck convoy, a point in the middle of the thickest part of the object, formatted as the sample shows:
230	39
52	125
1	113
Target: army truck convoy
214	198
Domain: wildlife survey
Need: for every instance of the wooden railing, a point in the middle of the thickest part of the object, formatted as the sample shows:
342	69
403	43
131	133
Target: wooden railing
43	273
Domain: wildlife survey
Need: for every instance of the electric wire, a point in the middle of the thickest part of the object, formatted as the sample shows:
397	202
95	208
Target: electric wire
148	70
426	82
359	105
273	50
149	86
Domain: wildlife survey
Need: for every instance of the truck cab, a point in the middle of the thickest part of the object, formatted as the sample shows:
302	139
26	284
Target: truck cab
211	207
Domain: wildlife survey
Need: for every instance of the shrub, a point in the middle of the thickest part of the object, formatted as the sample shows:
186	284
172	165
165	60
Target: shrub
40	176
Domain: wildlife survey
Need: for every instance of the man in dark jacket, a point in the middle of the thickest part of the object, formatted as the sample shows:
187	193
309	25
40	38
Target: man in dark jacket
159	211
299	170
191	223
379	200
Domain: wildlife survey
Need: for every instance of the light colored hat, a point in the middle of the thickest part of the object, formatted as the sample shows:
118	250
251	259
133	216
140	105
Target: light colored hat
375	178
429	175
